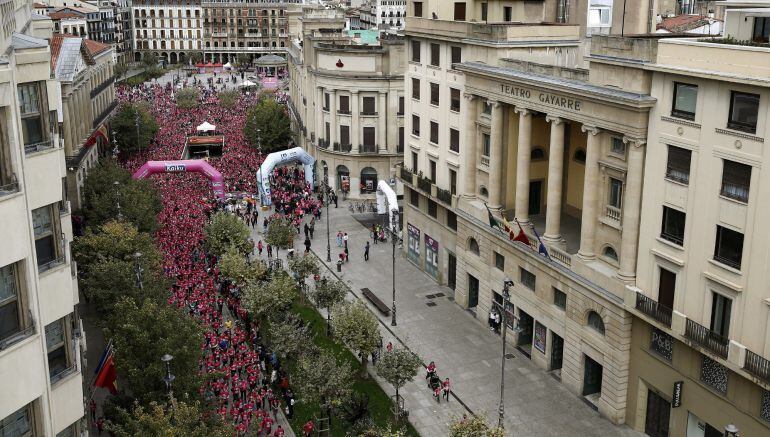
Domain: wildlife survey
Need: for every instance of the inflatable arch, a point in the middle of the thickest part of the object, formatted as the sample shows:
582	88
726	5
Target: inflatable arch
387	203
279	158
195	165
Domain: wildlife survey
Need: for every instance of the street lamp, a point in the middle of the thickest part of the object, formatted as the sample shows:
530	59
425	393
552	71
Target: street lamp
326	197
136	123
115	144
731	431
138	270
259	142
395	239
116	184
169	378
507	284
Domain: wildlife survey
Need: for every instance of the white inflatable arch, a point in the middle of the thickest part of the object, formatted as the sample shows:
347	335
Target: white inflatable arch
387	203
275	159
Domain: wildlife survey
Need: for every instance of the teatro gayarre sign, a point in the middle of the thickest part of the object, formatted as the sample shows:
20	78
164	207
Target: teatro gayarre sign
542	97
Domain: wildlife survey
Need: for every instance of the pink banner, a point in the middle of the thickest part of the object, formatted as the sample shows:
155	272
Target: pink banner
195	165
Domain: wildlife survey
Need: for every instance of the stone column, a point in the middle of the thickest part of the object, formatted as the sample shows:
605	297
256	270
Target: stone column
632	204
319	114
590	194
69	121
382	119
496	157
355	117
555	177
471	151
523	157
334	125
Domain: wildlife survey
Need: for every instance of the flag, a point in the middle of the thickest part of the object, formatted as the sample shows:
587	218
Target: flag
492	220
541	247
105	372
522	237
107	352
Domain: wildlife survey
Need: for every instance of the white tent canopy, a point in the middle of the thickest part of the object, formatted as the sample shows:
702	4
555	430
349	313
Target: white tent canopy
248	83
387	203
228	66
206	127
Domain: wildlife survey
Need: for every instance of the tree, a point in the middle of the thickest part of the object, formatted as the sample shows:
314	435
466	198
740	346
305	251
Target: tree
196	57
270	298
397	367
149	60
324	381
234	266
280	234
291	338
115	241
474	426
356	327
226	230
228	98
120	70
327	294
124	125
142	333
107	281
302	267
179	419
187	98
271	118
243	60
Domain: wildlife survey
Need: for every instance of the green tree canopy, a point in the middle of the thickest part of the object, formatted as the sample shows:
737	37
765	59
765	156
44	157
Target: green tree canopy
291	338
228	98
115	240
327	294
196	57
243	60
356	327
187	98
108	281
398	366
323	380
270	298
271	118
124	125
304	266
280	234
474	426
141	334
149	60
180	419
226	230
234	266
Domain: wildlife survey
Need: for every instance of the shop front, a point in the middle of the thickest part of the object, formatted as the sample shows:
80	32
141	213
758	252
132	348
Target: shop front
431	257
413	243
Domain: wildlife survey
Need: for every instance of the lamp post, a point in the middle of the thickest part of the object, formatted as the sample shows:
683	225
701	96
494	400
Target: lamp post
731	431
136	124
259	142
169	378
116	184
326	198
138	270
507	284
395	239
115	150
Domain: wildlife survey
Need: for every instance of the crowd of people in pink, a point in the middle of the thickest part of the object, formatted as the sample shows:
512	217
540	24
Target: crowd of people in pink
246	381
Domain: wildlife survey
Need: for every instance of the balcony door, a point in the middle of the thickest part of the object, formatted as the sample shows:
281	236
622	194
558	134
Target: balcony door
666	288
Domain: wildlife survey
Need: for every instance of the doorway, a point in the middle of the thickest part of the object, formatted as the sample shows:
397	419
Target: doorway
535	197
524	343
592	377
451	281
658	415
473	292
557	352
666	288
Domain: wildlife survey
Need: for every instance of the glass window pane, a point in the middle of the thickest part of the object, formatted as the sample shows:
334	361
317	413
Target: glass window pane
54	334
685	98
29	101
7	283
10	323
45	250
41	221
17	424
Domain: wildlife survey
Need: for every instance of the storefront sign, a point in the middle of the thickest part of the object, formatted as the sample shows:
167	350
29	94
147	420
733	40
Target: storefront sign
541	334
677	397
541	97
413	242
431	256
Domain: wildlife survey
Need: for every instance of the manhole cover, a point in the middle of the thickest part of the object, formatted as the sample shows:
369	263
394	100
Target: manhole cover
430	296
509	356
439	295
431	304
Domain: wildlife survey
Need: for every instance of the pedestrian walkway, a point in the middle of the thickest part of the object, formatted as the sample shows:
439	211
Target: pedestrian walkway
437	329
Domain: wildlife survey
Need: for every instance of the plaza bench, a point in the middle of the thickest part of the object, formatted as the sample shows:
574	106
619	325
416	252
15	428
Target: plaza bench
381	306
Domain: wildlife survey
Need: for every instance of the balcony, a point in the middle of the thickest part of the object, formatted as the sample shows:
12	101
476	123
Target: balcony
406	175
38	147
347	148
707	338
424	184
18	336
757	365
42	268
484	161
653	309
322	143
613	213
367	148
444	196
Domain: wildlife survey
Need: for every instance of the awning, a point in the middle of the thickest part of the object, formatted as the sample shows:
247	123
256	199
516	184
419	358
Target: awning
206	127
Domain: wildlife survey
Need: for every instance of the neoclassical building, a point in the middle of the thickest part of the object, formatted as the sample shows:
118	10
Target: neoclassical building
347	102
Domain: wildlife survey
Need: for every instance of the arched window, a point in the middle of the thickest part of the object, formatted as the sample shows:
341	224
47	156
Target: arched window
595	321
368	180
537	154
483	191
473	246
611	253
580	156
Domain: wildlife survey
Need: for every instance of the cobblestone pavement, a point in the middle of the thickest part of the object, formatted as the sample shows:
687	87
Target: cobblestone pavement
463	348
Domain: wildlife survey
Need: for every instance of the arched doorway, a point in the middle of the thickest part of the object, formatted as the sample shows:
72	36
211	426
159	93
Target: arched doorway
343	178
173	58
137	57
368	180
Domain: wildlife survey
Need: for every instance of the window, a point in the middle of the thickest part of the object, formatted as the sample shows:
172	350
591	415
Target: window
720	314
369	138
434	132
678	166
483	191
610	253
559	298
473	246
454	99
454	140
580	156
414	161
685	99
435	54
761	32
416	89
416	47
10	304
45	237
615	193
31	111
414	198
457	54
415	127
729	247
452	182
18	423
369	106
736	179
434	94
55	344
672	228
487	109
451	220
326	101
599	16
499	262
537	154
507	13
484	11
344	105
400	105
486	144
418	9
459	11
714	374
618	147
743	111
344	135
595	321
432	167
527	278
432	209
400	139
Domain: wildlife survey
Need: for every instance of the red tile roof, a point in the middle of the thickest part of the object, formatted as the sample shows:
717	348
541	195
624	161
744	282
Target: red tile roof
55	44
684	23
95	47
61	15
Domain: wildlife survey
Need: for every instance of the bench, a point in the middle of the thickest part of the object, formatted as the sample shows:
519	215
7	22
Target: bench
381	306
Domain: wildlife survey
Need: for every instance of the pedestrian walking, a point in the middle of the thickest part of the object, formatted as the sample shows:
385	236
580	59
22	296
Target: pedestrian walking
446	388
366	252
307	245
389	347
307	230
269	250
259	248
307	428
312	228
92	408
339	238
374	233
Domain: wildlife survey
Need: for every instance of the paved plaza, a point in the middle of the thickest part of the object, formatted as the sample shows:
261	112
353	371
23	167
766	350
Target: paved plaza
463	348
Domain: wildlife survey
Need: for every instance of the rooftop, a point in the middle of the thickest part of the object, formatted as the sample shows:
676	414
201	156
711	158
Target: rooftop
685	23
